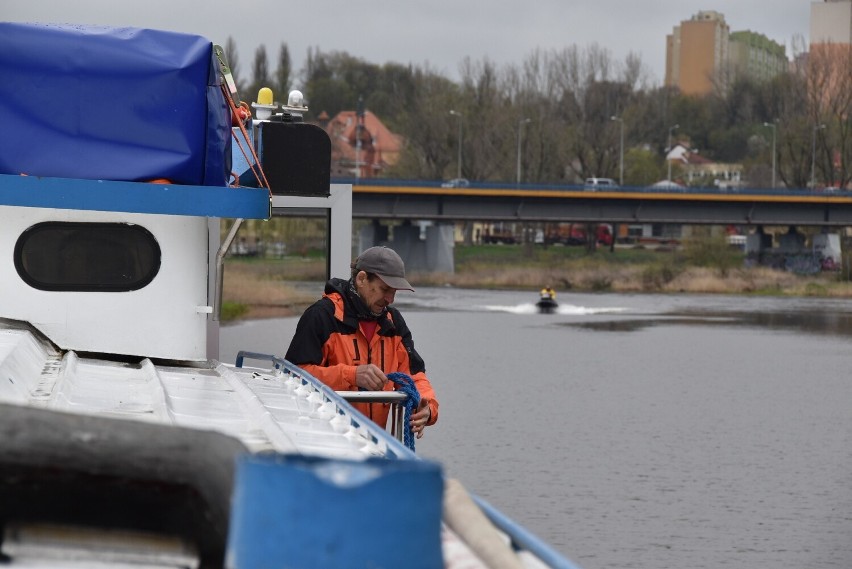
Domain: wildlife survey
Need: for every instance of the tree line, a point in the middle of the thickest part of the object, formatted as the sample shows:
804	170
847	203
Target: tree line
561	115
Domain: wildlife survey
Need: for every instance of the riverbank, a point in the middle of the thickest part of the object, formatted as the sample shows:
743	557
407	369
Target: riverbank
265	288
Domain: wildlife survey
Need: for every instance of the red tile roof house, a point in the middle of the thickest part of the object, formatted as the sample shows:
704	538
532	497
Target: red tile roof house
380	147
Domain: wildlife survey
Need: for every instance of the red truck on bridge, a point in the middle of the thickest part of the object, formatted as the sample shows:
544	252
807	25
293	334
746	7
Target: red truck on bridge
576	233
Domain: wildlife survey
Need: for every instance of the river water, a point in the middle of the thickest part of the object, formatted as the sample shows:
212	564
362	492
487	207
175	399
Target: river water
637	431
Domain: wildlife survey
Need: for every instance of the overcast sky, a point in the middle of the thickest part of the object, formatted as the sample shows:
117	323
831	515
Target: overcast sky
440	33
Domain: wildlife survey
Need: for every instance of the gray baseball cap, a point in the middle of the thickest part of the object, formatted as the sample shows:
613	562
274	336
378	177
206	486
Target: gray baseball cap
384	262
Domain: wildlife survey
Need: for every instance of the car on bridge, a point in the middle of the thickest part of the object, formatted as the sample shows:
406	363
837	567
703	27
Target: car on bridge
456	183
594	184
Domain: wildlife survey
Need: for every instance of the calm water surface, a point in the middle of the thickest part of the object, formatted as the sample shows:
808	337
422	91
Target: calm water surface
641	431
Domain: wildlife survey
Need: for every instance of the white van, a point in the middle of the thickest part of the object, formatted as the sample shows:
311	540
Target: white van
600	184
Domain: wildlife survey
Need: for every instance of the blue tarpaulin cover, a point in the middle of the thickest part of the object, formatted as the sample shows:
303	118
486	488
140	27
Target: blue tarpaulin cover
125	104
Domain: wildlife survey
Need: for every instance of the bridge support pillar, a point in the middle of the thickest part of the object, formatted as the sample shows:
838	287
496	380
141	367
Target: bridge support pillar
431	255
758	242
440	242
791	242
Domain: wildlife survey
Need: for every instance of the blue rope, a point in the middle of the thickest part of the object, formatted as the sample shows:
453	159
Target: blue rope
405	384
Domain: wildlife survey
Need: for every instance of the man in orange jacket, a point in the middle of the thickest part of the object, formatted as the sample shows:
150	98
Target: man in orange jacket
352	337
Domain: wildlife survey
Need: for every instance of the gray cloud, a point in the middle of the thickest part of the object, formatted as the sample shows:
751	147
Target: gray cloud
440	33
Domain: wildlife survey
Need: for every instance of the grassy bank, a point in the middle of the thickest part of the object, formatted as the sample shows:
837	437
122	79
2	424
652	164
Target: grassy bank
698	267
257	288
263	288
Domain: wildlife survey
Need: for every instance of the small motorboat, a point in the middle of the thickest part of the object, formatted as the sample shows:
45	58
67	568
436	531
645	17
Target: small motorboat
547	301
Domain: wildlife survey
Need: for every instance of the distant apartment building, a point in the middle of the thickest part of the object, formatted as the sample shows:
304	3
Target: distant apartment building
702	53
831	22
697	53
830	52
756	56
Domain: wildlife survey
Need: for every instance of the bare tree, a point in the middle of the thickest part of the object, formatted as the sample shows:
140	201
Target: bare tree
830	106
794	124
428	128
283	72
535	93
489	120
590	95
260	74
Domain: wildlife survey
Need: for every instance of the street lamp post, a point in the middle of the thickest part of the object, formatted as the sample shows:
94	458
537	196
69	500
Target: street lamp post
459	115
773	126
359	129
521	124
621	151
813	154
670	149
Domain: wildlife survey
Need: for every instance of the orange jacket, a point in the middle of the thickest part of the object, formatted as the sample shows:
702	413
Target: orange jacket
329	344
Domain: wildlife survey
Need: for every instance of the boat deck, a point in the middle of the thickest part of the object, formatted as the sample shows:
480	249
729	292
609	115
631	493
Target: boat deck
267	410
277	410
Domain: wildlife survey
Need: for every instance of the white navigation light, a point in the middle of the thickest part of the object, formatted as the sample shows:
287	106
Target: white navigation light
295	99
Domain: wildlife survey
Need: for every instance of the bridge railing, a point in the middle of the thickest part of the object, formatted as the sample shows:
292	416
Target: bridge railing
828	192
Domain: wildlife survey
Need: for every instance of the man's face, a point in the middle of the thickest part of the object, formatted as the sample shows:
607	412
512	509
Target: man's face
375	293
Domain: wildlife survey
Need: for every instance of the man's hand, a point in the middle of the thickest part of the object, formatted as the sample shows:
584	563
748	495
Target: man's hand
370	377
420	417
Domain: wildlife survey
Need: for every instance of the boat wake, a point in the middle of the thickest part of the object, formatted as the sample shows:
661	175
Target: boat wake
567	309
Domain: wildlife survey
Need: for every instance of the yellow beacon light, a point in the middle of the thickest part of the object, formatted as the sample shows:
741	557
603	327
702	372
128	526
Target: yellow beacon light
264	104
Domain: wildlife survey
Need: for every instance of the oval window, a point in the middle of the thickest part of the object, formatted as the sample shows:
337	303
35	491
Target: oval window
103	257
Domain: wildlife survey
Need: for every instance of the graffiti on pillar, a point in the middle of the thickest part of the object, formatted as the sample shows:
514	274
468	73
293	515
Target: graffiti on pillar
793	253
802	264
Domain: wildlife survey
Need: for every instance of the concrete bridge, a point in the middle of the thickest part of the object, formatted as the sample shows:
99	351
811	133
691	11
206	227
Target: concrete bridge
390	200
385	200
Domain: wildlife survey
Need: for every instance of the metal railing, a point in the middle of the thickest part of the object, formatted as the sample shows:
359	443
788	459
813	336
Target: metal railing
396	399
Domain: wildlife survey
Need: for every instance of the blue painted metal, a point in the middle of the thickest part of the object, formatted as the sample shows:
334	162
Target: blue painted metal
243	354
523	539
309	512
134	197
